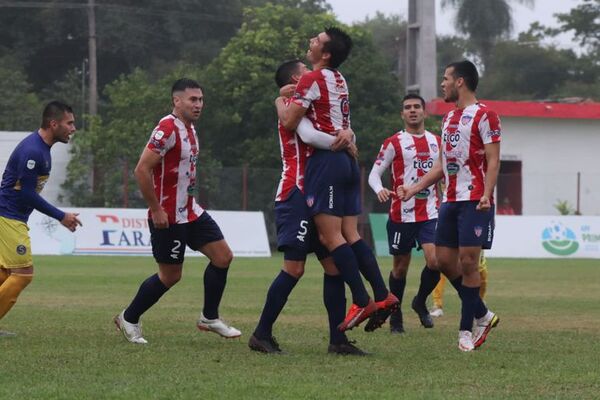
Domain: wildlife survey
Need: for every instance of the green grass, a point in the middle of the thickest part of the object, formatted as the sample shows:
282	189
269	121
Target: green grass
546	346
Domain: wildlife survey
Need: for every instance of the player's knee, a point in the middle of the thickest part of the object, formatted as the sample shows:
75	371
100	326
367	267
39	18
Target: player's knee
468	262
223	260
170	278
294	270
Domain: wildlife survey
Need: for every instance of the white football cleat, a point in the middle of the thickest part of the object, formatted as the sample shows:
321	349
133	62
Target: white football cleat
217	326
465	341
7	334
483	326
132	332
436	312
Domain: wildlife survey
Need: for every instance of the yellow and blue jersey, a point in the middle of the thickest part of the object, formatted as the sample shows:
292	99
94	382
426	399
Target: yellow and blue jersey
24	178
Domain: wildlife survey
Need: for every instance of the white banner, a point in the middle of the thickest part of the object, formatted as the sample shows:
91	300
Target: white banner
546	237
120	231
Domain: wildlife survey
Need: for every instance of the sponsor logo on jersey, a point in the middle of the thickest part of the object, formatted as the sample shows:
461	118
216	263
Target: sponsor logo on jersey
158	135
492	134
423	194
451	138
30	164
408	210
452	168
424	165
345	106
409	147
330	197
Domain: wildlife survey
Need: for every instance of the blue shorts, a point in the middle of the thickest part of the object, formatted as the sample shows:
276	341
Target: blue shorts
168	245
296	232
332	184
403	237
461	225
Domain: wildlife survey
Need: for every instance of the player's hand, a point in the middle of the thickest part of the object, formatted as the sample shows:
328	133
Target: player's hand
287	91
160	219
384	195
484	204
70	221
343	139
405	192
353	151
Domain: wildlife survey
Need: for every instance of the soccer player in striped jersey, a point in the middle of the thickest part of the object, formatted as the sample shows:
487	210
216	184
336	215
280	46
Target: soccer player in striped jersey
469	162
332	181
410	154
26	173
296	235
166	175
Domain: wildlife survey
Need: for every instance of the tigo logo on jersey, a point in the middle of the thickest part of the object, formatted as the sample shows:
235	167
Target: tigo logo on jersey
559	240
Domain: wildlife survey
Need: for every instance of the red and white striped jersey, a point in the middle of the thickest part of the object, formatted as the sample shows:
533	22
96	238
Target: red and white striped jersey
175	177
410	157
464	134
325	94
293	157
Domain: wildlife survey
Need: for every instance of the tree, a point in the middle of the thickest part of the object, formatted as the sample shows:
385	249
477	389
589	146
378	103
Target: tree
389	36
484	22
20	108
584	21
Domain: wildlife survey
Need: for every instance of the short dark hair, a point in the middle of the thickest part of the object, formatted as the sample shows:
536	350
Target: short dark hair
54	111
285	71
468	71
185	83
414	96
339	46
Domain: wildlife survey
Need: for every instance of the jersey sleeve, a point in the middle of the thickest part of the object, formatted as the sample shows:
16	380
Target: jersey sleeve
30	176
384	160
312	136
163	138
307	91
489	127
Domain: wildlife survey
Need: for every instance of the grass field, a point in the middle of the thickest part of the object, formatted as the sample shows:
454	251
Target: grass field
546	346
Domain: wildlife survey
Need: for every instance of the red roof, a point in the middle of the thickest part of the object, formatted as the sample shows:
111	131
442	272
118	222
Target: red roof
528	109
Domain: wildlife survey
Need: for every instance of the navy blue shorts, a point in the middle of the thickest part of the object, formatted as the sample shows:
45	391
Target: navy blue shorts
461	225
296	232
403	237
168	245
332	184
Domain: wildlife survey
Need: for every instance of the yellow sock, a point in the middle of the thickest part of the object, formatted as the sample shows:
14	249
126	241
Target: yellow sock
483	272
438	292
3	275
10	290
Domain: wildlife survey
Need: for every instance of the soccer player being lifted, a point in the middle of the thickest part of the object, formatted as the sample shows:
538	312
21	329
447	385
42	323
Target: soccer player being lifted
469	163
24	178
166	175
332	179
296	235
409	154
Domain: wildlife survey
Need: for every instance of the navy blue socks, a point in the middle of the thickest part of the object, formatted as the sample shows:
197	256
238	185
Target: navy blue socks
346	263
397	286
277	296
214	286
150	291
334	297
429	280
367	263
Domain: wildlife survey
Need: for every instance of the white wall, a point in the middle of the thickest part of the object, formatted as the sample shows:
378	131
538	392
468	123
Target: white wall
552	151
60	159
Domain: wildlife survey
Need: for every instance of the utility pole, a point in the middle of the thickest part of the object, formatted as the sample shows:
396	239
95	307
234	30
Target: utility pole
93	67
421	54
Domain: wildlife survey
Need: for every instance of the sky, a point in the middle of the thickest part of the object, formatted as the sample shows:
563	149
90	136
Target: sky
349	11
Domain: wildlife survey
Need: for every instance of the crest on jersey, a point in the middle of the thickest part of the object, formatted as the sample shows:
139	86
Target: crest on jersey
345	106
310	200
30	164
465	119
21	250
434	147
478	231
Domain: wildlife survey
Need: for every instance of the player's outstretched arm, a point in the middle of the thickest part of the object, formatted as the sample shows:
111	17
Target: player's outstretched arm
143	176
70	221
492	155
289	115
433	176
